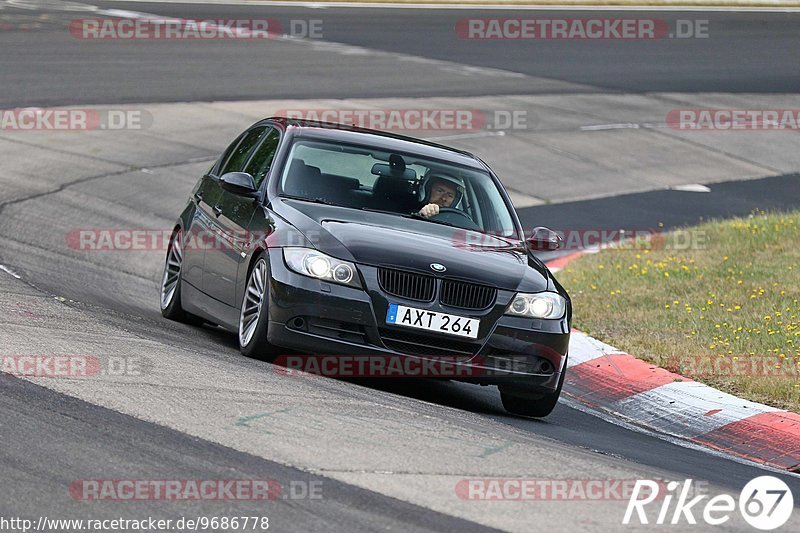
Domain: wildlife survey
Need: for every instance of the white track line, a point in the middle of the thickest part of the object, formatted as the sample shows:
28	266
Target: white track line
9	271
340	48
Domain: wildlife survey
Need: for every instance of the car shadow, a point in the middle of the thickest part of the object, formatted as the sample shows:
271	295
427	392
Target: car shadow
463	396
483	400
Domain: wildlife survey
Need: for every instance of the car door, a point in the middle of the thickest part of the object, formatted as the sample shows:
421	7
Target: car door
200	227
232	216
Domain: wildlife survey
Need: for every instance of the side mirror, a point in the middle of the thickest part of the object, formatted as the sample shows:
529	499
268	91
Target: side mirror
544	239
240	183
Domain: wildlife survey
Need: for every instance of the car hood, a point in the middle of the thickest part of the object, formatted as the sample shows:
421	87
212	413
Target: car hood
383	240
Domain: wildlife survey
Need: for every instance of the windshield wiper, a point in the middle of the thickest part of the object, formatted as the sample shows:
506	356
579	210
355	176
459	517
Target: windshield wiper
306	199
395	213
417	216
412	216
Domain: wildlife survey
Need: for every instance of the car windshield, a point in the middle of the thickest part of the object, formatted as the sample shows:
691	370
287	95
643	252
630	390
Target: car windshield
398	183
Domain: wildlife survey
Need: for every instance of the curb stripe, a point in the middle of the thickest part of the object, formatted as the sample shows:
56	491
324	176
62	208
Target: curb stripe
771	438
559	263
602	377
615	377
688	409
583	348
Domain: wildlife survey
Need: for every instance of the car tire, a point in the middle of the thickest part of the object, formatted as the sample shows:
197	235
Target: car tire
530	405
254	313
171	283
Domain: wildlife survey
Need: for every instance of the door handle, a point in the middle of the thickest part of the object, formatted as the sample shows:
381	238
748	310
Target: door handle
217	210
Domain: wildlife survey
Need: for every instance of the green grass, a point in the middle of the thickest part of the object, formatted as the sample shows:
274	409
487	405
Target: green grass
722	310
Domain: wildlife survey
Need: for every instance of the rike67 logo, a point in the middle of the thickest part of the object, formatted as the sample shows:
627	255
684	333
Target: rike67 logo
766	503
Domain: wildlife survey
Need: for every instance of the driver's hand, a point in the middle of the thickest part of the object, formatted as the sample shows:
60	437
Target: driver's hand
429	210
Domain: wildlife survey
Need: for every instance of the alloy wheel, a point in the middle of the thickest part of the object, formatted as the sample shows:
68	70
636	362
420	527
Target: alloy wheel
172	270
253	303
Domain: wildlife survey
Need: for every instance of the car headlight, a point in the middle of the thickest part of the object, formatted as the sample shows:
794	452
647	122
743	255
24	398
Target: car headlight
314	264
549	305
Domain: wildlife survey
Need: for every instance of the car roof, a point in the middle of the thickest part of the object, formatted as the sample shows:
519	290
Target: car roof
379	139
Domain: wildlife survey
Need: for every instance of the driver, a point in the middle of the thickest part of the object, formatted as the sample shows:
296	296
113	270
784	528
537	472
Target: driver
439	190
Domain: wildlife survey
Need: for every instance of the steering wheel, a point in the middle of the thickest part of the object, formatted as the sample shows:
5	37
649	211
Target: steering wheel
455	217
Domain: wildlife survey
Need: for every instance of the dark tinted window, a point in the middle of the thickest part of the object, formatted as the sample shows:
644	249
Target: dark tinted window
227	153
238	158
262	158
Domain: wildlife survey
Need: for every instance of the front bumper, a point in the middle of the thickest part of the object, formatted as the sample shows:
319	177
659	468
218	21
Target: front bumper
315	317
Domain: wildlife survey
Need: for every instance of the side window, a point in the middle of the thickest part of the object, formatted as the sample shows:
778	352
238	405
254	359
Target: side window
226	154
238	158
261	161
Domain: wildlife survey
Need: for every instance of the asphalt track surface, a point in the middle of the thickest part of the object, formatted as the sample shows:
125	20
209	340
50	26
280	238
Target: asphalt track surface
44	425
745	52
668	209
50	439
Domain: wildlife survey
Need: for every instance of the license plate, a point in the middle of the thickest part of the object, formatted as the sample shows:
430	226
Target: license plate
400	315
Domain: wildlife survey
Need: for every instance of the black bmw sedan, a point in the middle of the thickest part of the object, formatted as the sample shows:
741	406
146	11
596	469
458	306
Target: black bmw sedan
317	238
